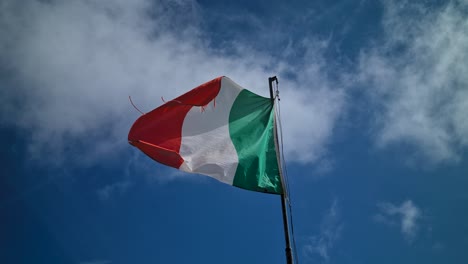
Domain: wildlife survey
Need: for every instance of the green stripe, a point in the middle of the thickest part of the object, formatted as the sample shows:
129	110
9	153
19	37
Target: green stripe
251	130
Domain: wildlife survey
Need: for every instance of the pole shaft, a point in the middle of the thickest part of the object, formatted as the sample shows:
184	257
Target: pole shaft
289	259
286	230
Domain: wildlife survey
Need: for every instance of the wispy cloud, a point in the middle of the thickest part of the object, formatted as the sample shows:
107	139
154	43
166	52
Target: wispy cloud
407	216
320	246
417	76
116	188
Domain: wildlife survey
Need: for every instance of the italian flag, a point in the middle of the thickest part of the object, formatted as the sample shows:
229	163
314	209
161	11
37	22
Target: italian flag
218	129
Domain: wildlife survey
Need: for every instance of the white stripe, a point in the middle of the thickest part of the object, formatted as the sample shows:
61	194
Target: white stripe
206	145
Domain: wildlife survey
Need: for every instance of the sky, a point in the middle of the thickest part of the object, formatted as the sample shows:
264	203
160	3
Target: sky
374	107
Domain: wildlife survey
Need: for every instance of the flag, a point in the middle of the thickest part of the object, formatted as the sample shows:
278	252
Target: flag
218	129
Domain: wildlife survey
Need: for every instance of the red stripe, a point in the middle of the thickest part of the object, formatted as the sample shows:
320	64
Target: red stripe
159	133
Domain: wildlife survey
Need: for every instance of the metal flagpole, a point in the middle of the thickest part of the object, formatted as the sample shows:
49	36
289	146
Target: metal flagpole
289	259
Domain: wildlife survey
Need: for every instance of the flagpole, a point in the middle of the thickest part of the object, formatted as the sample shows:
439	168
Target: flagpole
289	259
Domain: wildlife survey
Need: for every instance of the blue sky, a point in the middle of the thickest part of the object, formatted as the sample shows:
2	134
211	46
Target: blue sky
374	100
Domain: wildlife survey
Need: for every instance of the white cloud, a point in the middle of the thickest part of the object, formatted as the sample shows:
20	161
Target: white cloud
418	79
407	214
330	232
71	66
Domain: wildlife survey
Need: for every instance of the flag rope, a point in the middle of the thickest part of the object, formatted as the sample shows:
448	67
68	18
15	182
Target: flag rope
130	98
